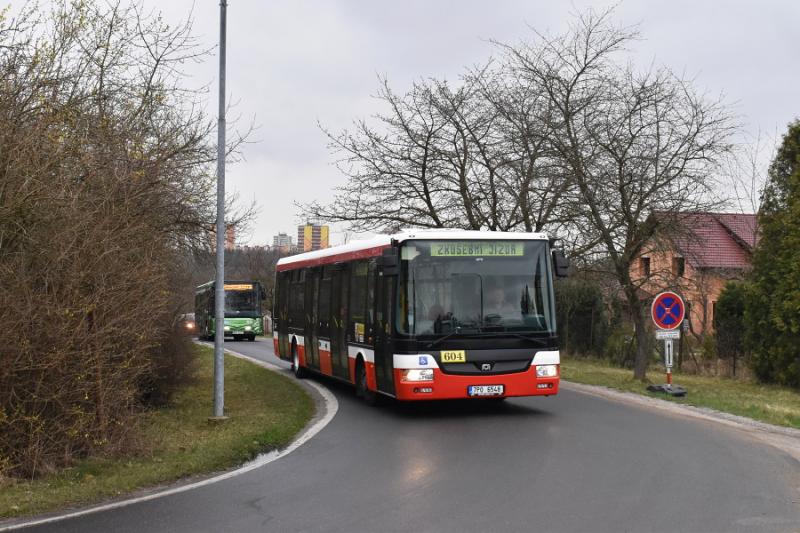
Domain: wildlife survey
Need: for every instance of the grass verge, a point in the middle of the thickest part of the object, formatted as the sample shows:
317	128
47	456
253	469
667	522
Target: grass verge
266	409
767	403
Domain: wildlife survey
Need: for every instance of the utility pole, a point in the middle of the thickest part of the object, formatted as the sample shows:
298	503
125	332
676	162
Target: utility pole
219	281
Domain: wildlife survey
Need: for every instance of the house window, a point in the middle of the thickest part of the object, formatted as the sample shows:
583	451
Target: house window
678	266
644	264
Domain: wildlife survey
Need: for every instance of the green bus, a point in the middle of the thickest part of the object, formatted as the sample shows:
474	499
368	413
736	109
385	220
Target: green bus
243	316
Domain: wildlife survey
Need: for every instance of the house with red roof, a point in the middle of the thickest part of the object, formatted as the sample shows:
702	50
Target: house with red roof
696	258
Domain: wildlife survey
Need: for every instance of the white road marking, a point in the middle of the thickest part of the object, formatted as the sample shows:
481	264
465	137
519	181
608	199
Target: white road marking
331	407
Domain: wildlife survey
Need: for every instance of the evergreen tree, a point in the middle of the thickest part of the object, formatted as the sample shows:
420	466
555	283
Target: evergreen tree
729	322
773	307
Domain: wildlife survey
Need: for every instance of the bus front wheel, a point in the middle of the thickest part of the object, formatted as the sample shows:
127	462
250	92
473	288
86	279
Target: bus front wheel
362	389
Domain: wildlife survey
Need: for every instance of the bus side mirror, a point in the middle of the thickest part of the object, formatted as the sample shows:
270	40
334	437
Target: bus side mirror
560	264
389	262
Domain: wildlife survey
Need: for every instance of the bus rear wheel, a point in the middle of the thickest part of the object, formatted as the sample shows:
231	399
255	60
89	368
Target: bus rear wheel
299	371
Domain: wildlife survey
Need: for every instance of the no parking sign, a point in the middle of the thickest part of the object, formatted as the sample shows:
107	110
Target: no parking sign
668	310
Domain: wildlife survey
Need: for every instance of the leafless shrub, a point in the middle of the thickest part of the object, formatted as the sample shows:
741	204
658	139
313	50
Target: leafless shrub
106	175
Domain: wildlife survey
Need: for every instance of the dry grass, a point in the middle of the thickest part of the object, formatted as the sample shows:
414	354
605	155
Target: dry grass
266	409
767	403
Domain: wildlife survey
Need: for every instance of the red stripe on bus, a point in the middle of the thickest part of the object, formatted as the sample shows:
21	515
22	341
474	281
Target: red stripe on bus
351	369
325	363
330	259
372	382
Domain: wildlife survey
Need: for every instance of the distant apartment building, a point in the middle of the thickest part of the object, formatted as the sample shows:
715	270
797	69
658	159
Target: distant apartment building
312	237
282	239
283	242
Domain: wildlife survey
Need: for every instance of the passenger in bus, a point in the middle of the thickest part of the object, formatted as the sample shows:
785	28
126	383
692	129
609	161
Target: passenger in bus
500	305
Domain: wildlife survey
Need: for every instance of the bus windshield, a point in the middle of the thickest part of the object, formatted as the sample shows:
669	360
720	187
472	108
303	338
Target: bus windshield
452	287
240	300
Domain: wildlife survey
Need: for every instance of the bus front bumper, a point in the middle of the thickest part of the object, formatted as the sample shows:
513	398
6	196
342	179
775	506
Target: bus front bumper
452	386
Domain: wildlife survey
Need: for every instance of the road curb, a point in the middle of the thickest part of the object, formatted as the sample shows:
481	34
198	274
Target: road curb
784	438
322	398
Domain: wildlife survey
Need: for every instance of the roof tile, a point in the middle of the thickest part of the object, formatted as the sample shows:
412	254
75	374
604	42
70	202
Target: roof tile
718	240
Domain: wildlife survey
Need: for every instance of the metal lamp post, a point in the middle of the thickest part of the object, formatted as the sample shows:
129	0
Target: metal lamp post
219	283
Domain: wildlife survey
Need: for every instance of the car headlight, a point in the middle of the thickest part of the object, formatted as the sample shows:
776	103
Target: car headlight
247	328
417	374
546	371
227	328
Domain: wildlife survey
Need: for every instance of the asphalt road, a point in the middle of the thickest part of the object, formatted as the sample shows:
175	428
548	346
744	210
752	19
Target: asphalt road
569	463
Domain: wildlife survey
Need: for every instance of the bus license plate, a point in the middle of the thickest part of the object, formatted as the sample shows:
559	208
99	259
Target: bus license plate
485	390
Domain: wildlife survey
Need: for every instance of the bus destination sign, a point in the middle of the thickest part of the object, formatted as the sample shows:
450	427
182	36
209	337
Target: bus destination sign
477	249
238	287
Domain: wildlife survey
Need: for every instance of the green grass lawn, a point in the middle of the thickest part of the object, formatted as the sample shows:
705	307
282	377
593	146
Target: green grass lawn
767	403
266	411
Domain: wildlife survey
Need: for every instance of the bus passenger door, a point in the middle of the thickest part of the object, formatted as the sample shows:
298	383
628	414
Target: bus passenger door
384	318
281	315
311	318
339	303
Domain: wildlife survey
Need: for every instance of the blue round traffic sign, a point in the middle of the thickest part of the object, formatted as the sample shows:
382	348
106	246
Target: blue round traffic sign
667	310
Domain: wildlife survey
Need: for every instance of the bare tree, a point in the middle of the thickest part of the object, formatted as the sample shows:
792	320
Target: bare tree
394	171
559	135
634	142
746	172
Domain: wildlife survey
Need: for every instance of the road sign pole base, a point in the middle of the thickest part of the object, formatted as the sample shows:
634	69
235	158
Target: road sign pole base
668	389
217	419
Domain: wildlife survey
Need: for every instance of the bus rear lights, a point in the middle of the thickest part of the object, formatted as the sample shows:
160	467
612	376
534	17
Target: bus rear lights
417	374
425	390
544	386
546	371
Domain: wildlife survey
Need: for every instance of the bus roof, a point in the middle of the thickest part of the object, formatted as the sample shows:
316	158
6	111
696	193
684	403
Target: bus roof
365	248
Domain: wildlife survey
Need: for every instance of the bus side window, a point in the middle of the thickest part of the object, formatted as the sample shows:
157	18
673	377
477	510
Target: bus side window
370	322
298	296
324	312
356	331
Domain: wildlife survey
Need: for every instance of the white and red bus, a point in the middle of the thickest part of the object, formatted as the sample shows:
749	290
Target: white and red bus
426	314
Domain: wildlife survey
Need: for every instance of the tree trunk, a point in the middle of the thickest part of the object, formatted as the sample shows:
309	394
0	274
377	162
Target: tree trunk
642	338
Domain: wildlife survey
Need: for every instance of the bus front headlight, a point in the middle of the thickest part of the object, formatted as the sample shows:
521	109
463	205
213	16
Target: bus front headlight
418	374
546	371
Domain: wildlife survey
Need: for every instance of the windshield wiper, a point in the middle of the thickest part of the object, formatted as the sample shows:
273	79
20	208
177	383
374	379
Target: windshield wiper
434	342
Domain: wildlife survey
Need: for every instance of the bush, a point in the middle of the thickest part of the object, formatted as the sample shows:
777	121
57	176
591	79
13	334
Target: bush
104	178
729	322
582	318
620	348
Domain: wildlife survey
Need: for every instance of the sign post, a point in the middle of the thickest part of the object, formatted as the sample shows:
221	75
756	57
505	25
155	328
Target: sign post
668	312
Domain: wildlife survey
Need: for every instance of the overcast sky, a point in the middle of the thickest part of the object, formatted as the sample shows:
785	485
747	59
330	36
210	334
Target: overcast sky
292	64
